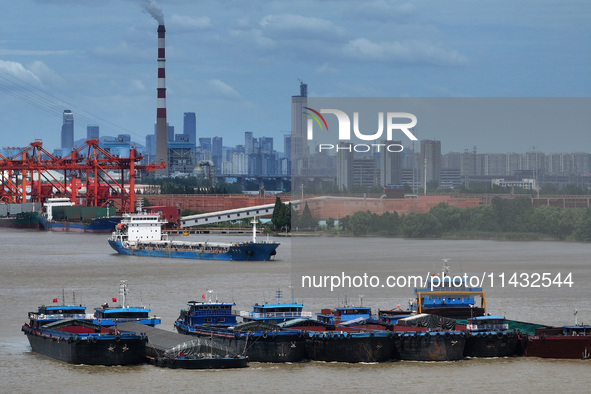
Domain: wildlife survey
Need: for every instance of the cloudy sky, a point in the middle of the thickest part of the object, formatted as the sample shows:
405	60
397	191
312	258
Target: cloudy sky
236	64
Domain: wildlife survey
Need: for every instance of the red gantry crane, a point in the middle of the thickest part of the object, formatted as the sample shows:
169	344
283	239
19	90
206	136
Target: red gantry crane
91	176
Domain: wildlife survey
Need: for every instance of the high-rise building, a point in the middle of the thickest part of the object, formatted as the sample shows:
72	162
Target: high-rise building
190	126
344	166
248	143
298	123
68	130
205	143
150	146
390	166
92	132
431	158
287	146
169	132
216	153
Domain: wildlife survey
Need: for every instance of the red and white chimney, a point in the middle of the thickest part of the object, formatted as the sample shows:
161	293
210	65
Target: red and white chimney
161	128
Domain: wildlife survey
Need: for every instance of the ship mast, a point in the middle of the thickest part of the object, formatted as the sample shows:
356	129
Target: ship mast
123	292
254	229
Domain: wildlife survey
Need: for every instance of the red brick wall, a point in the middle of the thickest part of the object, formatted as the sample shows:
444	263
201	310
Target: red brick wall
324	208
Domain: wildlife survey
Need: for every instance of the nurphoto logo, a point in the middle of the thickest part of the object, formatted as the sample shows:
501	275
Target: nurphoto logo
391	124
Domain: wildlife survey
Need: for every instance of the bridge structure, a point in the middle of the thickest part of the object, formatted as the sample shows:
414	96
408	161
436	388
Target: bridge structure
232	214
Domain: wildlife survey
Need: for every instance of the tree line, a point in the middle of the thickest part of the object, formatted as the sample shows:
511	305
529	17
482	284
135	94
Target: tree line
504	217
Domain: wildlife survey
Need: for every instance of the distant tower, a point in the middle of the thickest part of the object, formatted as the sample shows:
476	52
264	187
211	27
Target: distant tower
190	126
431	154
161	127
68	130
344	166
216	153
92	132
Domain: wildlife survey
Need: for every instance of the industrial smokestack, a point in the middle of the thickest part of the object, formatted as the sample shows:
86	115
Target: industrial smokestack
161	128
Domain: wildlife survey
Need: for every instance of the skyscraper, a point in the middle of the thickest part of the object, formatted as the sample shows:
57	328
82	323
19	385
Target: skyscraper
391	166
92	132
190	126
298	123
431	158
216	153
68	130
248	142
344	166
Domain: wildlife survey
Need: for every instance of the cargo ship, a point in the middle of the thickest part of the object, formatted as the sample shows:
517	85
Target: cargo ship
216	323
572	342
140	234
23	215
61	214
490	336
82	342
446	295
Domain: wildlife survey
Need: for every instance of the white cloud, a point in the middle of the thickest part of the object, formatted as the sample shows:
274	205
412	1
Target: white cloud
301	27
326	69
20	72
223	90
137	85
188	23
411	52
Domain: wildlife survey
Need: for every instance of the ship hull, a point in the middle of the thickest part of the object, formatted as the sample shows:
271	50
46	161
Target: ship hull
571	347
267	347
102	225
73	349
28	220
493	344
200	363
242	252
431	346
352	347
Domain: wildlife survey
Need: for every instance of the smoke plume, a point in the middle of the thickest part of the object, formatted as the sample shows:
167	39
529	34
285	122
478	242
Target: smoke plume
152	8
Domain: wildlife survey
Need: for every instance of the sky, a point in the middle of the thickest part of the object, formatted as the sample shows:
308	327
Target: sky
236	64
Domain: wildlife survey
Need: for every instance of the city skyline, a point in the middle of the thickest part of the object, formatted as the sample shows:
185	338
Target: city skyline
108	68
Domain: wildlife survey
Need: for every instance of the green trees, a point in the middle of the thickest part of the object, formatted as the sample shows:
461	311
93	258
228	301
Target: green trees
504	217
281	219
583	230
421	225
480	219
449	217
307	222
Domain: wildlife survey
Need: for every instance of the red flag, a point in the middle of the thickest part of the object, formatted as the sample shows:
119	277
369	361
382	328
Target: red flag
55	300
114	299
203	296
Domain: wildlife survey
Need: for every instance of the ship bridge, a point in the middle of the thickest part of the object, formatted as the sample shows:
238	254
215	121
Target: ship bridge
232	214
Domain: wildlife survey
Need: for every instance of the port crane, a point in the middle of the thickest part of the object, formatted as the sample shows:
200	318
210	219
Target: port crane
92	176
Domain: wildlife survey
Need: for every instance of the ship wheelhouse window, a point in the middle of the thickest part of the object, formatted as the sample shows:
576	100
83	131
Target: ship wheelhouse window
221	319
207	319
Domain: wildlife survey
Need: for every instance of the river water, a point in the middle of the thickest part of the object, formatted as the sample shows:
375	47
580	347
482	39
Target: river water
37	267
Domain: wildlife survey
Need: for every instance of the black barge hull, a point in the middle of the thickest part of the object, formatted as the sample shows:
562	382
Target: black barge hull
351	349
101	352
493	344
267	347
432	346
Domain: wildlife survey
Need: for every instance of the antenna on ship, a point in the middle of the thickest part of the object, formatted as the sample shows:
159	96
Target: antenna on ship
63	297
254	230
445	268
123	292
576	312
279	294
